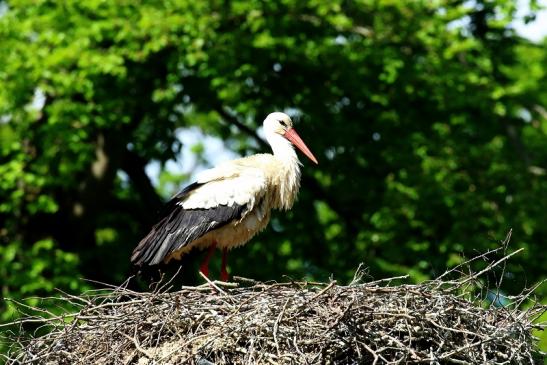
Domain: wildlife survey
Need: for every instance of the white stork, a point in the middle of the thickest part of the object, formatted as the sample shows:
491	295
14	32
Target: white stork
227	205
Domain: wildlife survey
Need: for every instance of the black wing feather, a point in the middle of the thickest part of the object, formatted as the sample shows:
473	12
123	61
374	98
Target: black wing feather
179	226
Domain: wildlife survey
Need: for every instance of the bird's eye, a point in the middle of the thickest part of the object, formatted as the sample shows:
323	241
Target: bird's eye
283	123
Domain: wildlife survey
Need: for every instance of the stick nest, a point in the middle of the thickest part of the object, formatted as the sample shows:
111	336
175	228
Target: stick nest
247	322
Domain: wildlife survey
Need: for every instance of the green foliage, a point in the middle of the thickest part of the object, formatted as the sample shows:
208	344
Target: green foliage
35	271
29	273
428	119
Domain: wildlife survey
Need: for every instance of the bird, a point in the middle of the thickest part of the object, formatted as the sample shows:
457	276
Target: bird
228	204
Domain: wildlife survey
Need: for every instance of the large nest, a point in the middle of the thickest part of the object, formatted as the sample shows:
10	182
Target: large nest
246	322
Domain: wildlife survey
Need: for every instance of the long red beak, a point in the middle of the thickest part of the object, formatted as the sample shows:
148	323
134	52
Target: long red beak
295	139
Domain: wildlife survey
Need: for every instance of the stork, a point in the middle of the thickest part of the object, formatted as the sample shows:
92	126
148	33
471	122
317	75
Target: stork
227	205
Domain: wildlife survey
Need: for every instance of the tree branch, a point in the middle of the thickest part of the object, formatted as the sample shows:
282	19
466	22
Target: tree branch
232	119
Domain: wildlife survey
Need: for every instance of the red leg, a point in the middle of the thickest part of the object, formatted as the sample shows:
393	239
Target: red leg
223	272
204	268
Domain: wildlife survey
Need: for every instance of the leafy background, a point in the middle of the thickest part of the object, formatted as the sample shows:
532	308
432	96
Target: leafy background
428	117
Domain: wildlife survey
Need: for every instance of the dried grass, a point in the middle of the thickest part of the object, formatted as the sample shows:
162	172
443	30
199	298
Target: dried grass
438	322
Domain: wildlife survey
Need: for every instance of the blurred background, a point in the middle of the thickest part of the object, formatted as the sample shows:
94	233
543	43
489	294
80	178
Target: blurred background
429	119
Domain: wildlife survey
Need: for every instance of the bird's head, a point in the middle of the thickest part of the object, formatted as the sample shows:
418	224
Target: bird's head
281	124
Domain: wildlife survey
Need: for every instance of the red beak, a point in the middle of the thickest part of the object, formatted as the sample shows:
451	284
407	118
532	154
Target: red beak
295	139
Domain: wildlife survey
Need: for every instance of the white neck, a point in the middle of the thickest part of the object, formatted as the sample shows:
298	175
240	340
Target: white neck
289	178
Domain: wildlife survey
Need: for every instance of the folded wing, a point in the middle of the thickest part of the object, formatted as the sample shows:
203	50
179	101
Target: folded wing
219	196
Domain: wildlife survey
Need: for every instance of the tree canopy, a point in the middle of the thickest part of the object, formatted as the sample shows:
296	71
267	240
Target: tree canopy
428	119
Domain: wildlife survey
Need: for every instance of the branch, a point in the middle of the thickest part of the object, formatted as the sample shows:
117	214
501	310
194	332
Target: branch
233	120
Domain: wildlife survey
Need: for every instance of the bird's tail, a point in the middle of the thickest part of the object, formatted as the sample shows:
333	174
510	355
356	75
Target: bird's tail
157	244
146	252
